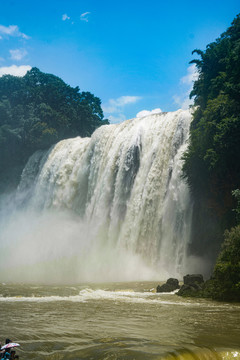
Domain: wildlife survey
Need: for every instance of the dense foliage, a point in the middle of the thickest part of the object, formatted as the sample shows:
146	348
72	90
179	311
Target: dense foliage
226	278
212	163
36	111
236	194
225	282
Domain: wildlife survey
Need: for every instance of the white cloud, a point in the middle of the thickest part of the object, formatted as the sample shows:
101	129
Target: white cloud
18	54
116	105
84	16
186	84
147	112
183	101
15	70
65	17
191	76
12	30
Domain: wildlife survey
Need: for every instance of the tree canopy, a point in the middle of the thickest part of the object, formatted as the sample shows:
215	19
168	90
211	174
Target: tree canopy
38	110
212	162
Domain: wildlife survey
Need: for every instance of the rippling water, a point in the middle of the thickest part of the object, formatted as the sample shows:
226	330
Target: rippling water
116	321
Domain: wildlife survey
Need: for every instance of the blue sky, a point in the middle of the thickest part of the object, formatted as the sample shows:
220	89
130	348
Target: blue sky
134	55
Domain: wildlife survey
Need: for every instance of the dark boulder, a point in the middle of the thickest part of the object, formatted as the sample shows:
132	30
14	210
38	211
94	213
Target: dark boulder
189	290
193	285
173	282
171	285
193	279
165	288
184	290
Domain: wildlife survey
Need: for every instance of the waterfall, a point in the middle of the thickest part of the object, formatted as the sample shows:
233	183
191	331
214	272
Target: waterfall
110	207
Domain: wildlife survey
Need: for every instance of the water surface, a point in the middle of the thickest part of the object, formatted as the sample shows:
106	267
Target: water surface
116	321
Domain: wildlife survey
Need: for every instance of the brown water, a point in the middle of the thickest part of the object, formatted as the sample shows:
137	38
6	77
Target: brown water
116	321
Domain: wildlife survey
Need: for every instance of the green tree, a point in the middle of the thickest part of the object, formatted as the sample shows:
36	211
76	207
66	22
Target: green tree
212	162
225	283
36	111
236	194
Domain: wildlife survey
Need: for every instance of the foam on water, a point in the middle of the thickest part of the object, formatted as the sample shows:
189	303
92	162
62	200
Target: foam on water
98	295
126	296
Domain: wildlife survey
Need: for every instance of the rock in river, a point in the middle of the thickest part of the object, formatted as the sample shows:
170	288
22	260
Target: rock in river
192	279
192	284
171	285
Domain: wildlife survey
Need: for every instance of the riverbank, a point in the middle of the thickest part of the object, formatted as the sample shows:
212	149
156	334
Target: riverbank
194	286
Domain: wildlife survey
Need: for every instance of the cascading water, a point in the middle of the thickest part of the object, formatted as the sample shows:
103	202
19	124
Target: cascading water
110	207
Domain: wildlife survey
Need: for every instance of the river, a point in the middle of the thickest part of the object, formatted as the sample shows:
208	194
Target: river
113	207
126	320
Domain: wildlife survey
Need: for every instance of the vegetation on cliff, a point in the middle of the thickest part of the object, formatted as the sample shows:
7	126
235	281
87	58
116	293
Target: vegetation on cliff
212	162
36	111
225	282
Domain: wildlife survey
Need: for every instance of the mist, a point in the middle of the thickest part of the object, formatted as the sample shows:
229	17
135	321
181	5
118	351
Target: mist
57	247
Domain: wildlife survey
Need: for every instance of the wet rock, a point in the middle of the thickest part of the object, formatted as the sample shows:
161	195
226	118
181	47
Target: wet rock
192	285
166	288
192	279
173	282
171	285
186	290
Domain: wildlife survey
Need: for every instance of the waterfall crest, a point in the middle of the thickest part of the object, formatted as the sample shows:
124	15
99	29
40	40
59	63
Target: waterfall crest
118	200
